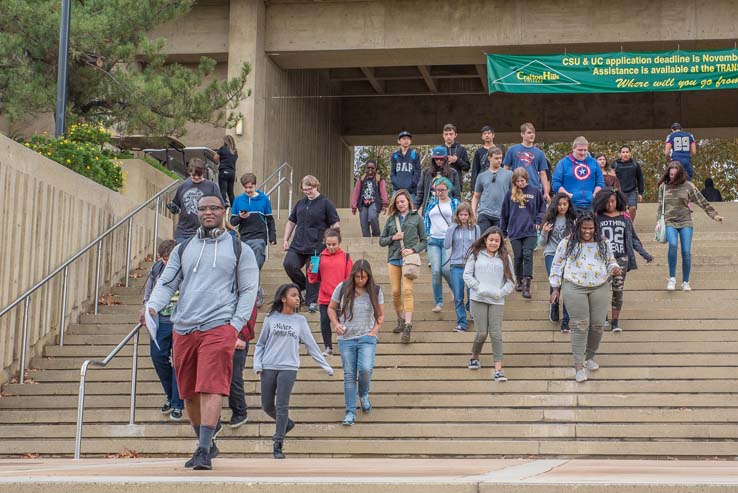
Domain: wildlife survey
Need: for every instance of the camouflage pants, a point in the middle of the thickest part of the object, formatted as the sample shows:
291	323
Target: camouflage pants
618	283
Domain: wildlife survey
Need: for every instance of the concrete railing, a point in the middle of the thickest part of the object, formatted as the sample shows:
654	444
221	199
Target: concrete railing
49	213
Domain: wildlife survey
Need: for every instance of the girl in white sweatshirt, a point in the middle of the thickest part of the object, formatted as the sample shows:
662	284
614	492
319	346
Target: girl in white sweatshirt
489	275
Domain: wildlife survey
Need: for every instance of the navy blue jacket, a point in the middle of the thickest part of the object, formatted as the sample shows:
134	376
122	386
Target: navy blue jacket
405	170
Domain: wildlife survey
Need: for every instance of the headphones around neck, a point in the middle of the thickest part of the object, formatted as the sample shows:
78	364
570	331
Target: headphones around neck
213	234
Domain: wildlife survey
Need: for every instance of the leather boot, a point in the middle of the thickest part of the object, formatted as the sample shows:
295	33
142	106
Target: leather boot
526	287
400	325
406	333
278	454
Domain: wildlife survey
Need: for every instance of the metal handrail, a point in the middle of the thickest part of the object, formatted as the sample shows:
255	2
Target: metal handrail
26	296
133	334
277	173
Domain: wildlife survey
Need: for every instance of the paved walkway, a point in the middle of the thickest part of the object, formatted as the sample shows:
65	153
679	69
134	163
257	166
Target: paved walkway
370	475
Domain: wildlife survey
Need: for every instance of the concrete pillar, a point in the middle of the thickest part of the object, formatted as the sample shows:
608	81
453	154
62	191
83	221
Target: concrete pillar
246	44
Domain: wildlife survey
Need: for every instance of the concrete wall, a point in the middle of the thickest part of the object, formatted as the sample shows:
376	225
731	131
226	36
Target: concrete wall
308	34
48	214
304	130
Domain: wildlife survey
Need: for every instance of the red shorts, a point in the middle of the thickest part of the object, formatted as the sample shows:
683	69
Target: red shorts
203	361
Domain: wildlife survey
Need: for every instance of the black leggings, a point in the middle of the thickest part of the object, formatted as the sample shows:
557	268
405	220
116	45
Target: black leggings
325	327
226	178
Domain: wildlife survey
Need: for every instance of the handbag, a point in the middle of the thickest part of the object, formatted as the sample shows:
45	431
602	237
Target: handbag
660	231
410	263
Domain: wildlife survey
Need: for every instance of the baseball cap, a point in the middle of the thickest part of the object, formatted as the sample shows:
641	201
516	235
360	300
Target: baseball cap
439	152
676	126
404	133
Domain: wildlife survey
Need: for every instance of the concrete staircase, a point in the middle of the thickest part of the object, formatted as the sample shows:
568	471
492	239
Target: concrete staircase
668	386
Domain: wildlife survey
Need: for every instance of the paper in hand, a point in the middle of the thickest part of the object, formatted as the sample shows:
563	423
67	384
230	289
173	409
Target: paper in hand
152	324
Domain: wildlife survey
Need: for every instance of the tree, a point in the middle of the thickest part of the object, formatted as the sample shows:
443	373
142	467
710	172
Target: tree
118	77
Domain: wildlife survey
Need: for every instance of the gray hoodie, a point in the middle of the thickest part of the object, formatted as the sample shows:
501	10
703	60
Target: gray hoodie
278	347
485	277
209	295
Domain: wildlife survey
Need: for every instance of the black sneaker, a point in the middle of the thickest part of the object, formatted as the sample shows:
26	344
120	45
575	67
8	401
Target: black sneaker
565	327
176	415
615	326
237	420
201	460
218	429
214	452
259	297
166	408
553	312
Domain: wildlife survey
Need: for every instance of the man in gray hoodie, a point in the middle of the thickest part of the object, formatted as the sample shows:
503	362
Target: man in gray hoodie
217	292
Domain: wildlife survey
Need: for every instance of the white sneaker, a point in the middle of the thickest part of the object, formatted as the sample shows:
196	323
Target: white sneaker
581	376
671	284
591	365
686	287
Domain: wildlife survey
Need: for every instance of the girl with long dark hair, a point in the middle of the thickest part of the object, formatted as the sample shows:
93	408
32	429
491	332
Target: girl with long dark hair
489	276
557	225
609	206
611	179
439	166
580	275
356	311
277	358
675	194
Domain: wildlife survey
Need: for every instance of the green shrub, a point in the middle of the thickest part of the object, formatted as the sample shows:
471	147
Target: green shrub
81	150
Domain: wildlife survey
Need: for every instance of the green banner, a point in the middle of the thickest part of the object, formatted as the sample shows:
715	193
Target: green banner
613	72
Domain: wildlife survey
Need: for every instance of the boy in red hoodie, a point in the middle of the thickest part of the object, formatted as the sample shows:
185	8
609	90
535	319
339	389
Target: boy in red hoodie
334	267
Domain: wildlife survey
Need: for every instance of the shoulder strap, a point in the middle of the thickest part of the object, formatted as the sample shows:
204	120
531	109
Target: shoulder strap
397	224
180	251
345	264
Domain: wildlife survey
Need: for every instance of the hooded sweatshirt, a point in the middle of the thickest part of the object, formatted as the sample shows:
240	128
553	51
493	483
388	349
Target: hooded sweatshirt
333	269
278	347
405	170
485	277
459	239
211	292
260	223
520	221
579	178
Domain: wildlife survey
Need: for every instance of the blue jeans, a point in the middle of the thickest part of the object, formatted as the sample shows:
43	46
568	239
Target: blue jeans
674	236
438	257
357	358
161	357
549	261
458	287
259	249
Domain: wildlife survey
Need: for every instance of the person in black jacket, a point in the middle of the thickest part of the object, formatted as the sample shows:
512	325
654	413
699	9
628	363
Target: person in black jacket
710	193
480	161
458	158
630	176
438	167
226	158
309	219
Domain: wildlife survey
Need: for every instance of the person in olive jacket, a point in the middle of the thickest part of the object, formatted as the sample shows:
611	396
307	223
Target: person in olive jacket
412	233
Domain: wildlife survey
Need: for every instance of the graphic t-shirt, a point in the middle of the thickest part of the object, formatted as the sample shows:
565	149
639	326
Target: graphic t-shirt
681	142
613	228
187	196
368	191
363	320
530	158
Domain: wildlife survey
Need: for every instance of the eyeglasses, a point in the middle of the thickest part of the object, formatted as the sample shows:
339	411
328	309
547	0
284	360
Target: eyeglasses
440	189
211	208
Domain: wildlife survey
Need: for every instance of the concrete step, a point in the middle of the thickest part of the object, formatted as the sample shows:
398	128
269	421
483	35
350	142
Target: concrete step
152	415
495	398
613	344
481	385
459	373
399	431
514	447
